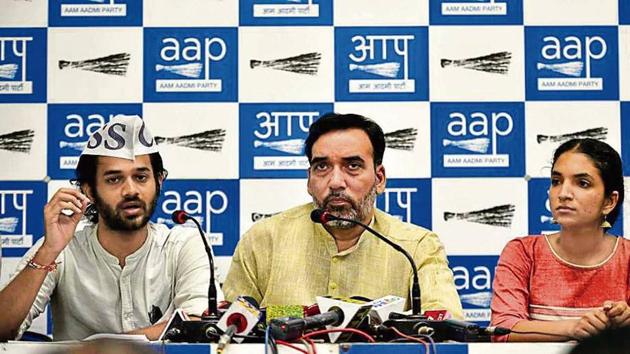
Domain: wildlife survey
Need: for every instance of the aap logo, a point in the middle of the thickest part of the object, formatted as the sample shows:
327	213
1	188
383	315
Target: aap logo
87	13
476	12
71	125
22	65
21	207
477	139
473	277
407	199
381	64
211	202
572	63
273	136
190	64
279	13
540	216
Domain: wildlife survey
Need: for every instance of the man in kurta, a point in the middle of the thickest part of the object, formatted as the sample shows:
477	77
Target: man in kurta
289	260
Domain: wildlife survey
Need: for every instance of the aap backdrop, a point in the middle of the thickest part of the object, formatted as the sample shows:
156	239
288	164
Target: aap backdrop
473	96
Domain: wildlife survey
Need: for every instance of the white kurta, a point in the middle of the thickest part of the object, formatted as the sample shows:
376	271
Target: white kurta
90	293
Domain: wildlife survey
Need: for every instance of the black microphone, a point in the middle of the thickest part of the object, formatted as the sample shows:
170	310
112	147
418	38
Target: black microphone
180	217
290	328
321	216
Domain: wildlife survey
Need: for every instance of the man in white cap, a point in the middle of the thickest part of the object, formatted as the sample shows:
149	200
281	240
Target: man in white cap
120	272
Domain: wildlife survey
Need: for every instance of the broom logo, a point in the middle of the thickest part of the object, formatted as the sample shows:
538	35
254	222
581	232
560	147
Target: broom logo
545	219
79	145
8	71
290	146
259	216
376	73
115	64
500	216
306	64
17	141
389	70
495	63
475	7
98	8
209	140
569	66
481	299
192	70
478	145
8	225
293	8
13	80
600	133
402	139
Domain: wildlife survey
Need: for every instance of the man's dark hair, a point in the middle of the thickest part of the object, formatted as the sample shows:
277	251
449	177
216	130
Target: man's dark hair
86	174
607	162
335	121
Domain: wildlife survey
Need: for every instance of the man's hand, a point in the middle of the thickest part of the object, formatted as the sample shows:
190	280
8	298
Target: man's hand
618	313
59	227
590	324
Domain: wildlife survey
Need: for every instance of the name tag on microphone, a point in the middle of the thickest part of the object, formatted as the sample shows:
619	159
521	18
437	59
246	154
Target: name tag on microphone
242	314
437	315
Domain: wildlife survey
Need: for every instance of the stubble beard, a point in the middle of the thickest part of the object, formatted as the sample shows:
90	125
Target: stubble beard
358	211
115	220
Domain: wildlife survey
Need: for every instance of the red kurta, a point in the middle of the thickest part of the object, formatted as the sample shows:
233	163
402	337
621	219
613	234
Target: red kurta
532	282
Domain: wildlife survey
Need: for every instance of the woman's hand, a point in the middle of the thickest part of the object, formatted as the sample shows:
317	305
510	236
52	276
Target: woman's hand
618	313
589	324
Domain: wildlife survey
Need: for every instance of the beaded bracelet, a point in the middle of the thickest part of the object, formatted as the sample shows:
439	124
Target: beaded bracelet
49	268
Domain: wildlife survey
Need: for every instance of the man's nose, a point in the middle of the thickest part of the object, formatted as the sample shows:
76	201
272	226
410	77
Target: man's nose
337	179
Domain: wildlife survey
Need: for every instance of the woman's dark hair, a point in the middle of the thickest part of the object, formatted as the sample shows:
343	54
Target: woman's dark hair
335	121
607	162
86	174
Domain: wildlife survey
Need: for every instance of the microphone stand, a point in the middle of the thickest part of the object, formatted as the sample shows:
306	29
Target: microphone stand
415	286
205	330
416	323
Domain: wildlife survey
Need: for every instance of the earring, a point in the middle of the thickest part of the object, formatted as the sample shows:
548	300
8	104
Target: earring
605	224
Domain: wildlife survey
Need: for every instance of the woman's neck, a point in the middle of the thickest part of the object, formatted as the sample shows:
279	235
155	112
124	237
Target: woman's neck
583	246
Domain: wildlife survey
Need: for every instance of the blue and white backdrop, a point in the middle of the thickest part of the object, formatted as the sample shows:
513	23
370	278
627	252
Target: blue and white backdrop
474	96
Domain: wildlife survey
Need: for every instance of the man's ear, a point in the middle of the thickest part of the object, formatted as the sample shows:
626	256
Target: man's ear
381	179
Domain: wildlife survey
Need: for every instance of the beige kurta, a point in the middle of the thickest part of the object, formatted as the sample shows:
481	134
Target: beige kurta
287	259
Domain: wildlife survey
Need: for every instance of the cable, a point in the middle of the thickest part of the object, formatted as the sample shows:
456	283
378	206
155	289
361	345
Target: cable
287	344
267	339
348	330
401	334
430	339
312	345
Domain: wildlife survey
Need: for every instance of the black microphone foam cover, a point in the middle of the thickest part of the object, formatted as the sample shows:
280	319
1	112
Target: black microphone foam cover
318	216
179	216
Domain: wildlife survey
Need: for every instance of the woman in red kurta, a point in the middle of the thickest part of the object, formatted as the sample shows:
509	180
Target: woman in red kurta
574	283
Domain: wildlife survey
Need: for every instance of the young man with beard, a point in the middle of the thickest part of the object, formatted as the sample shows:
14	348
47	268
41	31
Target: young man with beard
113	275
288	259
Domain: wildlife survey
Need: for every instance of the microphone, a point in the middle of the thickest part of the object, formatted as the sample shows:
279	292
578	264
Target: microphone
239	319
180	217
289	328
321	216
495	331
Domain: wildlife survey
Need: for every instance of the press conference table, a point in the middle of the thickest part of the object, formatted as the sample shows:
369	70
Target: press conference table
354	348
